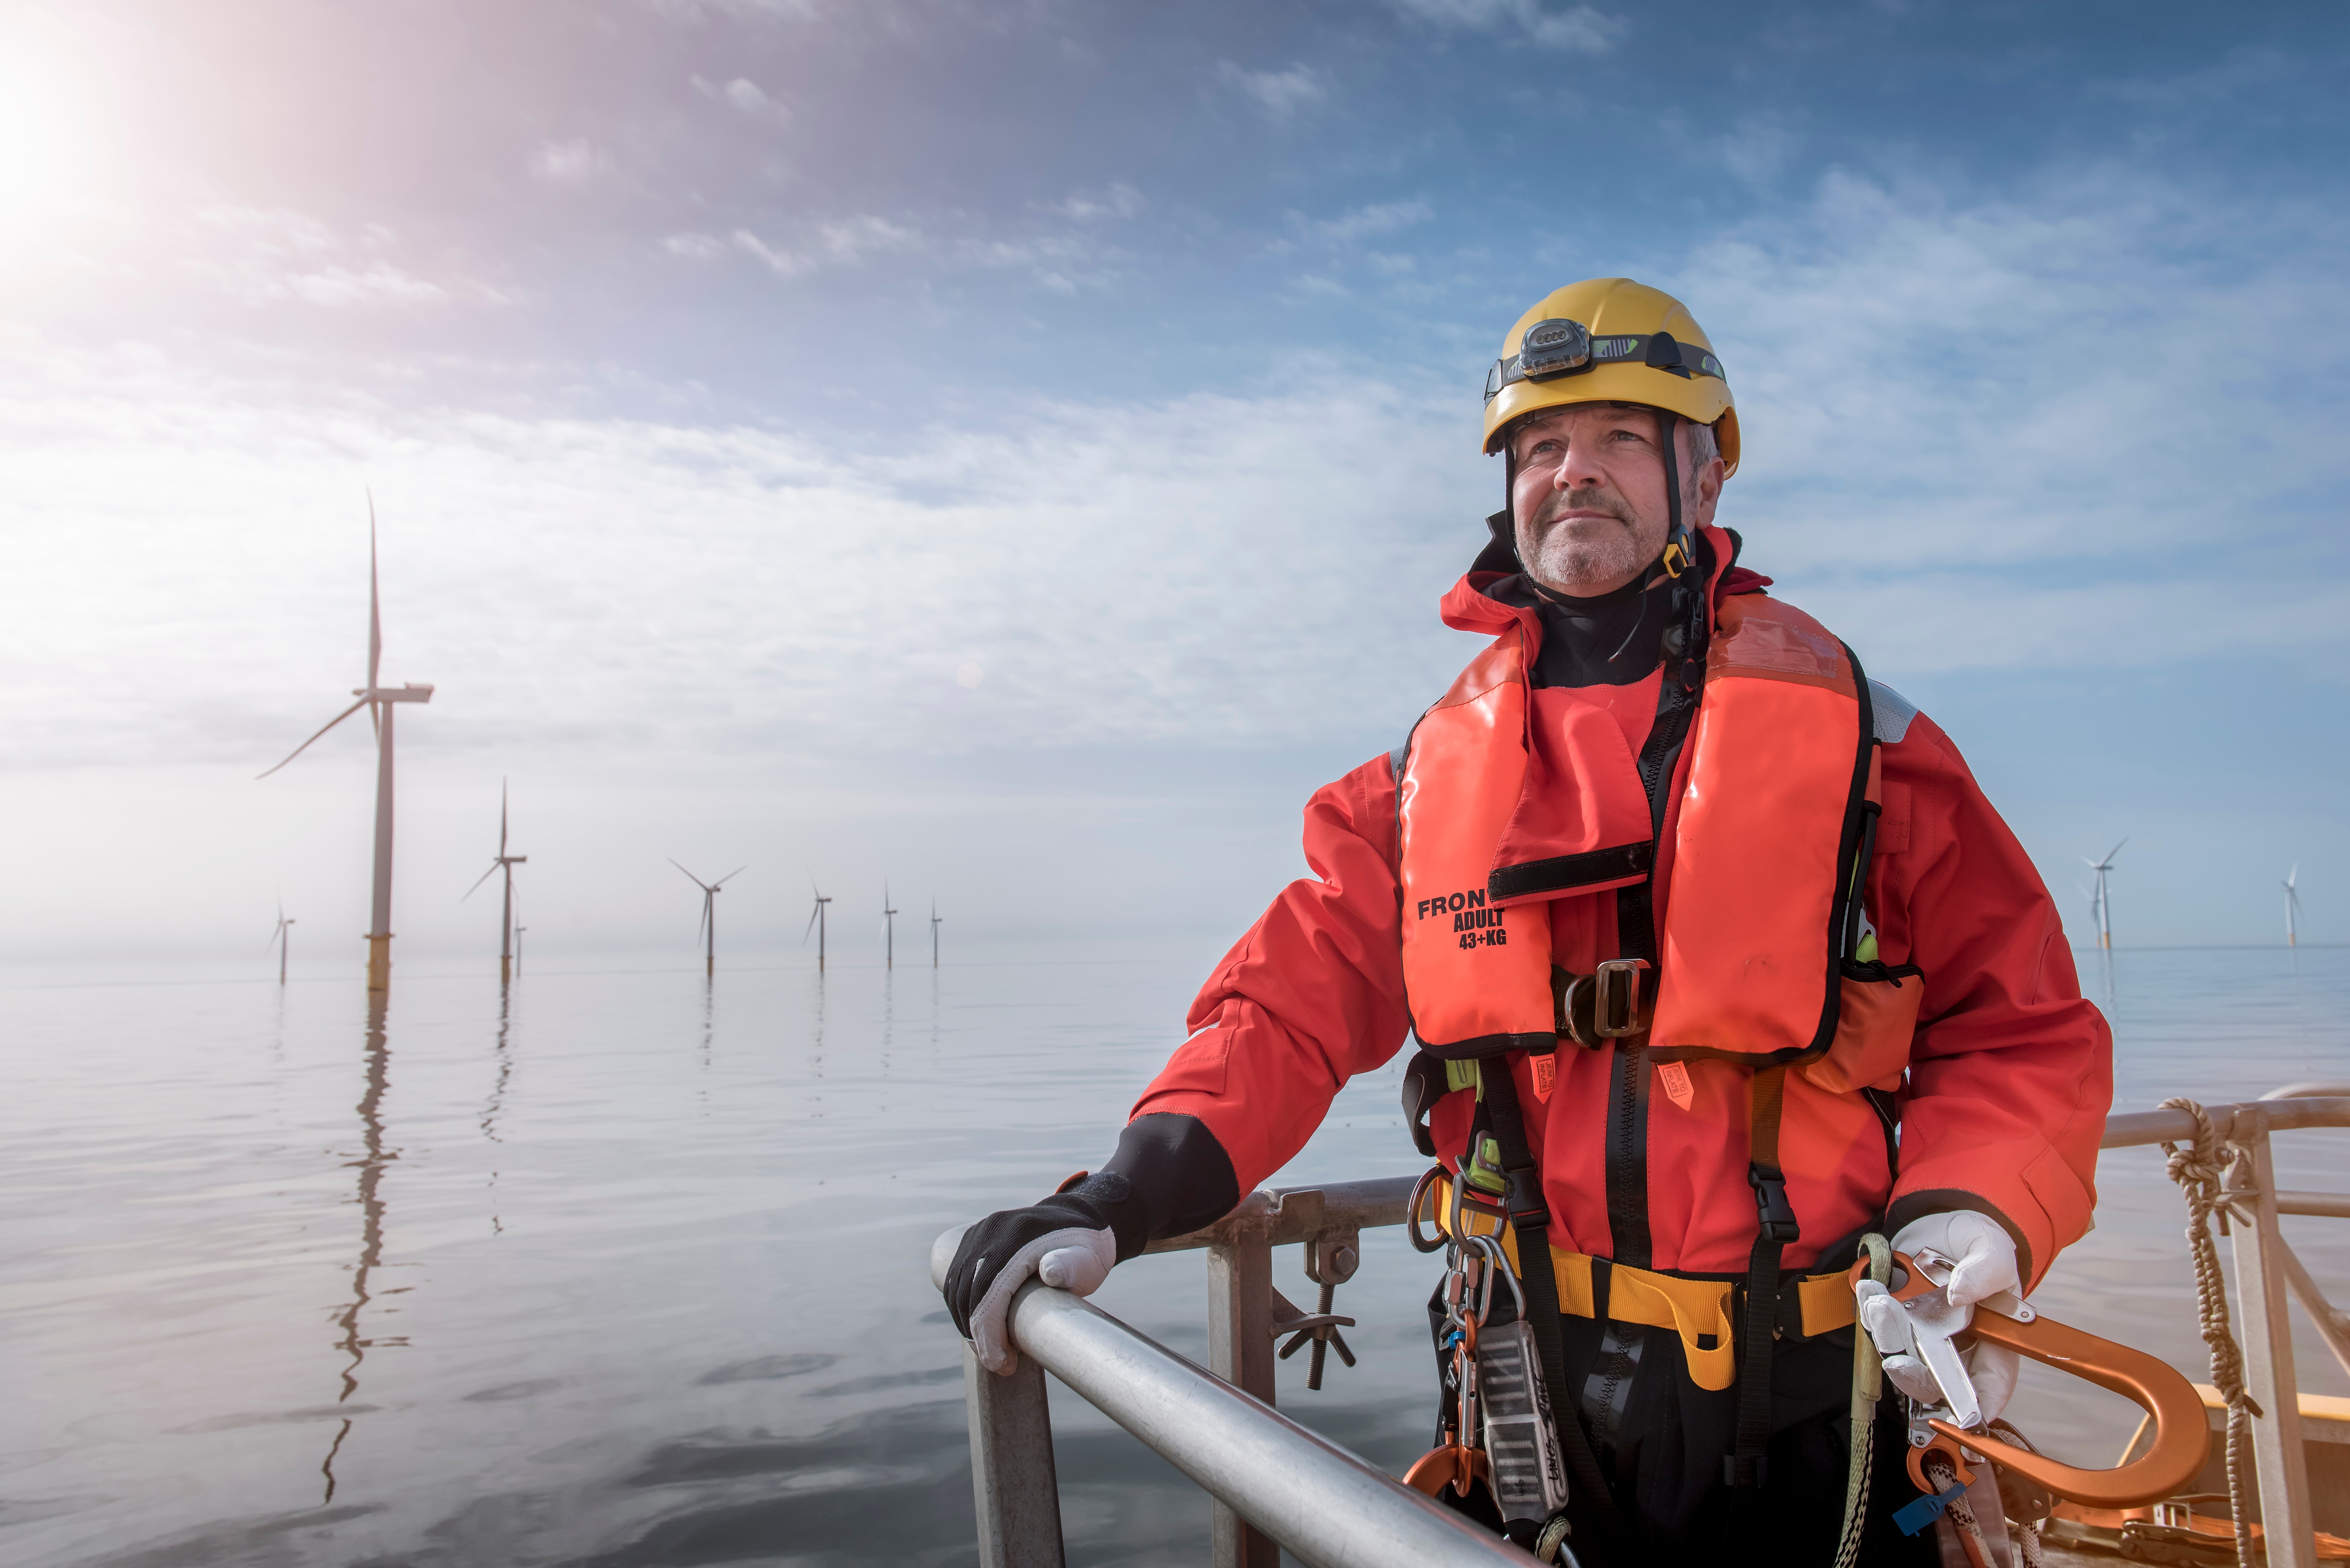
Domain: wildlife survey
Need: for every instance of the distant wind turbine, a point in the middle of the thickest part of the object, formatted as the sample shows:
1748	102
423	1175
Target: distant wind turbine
2099	898
936	922
2293	907
815	923
709	912
888	928
379	701
518	931
506	863
277	938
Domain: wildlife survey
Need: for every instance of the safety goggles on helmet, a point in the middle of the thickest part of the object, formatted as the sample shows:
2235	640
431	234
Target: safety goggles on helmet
1562	348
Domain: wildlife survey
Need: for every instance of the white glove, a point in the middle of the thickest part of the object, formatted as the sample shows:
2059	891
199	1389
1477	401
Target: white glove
1978	1245
1985	1264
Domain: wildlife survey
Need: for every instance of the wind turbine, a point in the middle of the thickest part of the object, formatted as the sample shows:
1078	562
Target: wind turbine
815	923
506	863
888	928
518	931
379	701
709	912
936	922
279	938
2293	907
2104	909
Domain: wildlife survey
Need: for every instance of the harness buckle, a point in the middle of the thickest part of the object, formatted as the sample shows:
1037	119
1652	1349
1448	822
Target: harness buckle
1777	1217
1616	998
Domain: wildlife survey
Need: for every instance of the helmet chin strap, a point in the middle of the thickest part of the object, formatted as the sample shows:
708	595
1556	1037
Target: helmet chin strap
1686	627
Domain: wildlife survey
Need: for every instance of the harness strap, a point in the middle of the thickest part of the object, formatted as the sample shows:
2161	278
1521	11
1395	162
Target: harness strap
1746	1470
1530	1219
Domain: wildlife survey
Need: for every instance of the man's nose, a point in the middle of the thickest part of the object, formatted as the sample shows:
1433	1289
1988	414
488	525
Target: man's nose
1576	471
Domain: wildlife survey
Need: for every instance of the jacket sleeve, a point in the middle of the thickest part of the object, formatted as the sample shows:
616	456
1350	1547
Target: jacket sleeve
1311	996
2011	1073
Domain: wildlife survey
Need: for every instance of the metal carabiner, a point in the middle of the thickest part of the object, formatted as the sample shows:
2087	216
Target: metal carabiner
1428	1178
1496	1263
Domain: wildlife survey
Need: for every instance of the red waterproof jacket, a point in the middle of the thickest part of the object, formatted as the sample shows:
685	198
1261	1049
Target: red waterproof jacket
2002	1110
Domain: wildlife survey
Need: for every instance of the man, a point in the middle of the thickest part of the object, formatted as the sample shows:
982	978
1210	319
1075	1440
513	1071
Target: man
1607	887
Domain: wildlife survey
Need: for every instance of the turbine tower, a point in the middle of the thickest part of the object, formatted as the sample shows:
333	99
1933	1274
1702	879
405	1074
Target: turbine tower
2293	907
815	923
709	912
888	928
2104	908
278	939
379	700
506	863
936	921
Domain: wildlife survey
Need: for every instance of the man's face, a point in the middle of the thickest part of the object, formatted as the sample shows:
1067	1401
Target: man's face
1589	498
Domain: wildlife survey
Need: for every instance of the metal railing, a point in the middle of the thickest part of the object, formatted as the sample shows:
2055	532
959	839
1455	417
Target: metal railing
1275	1485
2267	1271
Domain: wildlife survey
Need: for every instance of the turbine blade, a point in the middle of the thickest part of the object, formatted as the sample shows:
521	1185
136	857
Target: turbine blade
322	729
730	875
2116	849
811	924
374	610
703	923
486	876
502	819
693	878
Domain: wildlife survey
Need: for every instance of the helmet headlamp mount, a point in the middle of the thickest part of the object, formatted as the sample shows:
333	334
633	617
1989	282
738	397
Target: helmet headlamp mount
1554	348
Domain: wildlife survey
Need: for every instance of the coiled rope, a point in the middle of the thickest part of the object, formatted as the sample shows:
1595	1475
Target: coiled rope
2204	1171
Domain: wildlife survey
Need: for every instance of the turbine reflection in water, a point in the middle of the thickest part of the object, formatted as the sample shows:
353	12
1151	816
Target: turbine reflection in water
497	1101
373	1158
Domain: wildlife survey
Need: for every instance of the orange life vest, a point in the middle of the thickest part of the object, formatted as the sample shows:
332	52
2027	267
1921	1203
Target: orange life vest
1767	834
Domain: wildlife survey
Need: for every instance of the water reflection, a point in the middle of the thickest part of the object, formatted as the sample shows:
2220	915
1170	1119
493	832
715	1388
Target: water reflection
497	1100
372	1158
709	1019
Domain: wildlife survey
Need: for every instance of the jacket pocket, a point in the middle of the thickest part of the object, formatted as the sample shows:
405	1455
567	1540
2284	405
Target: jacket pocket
1876	1019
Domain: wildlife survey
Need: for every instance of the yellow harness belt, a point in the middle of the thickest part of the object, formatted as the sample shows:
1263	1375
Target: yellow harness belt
1697	1310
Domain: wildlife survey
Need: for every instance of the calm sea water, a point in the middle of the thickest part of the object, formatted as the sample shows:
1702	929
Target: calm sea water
629	1268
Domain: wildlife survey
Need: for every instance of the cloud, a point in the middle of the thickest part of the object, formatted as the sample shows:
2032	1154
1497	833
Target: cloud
1120	201
1274	560
1282	95
1364	223
745	95
2043	378
1578	27
572	164
265	256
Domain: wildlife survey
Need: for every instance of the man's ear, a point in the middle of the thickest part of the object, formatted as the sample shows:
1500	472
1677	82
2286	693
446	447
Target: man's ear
1709	492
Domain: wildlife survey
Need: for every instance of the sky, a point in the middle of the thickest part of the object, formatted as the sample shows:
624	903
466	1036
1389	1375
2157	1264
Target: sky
1016	449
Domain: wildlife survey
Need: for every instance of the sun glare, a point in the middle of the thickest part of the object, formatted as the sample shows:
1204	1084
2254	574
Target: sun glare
46	136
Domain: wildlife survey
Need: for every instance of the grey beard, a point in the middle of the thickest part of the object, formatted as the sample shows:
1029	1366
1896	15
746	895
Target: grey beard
1572	565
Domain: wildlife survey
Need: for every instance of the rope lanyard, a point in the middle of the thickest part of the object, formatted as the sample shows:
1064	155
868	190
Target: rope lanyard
2202	1171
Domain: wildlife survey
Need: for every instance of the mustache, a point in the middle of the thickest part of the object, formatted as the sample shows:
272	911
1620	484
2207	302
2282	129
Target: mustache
1588	499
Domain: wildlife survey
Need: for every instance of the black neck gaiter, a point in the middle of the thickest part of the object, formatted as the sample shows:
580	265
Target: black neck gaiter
1609	639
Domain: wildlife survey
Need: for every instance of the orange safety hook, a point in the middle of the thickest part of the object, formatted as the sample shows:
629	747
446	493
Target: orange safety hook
2182	1436
1453	1465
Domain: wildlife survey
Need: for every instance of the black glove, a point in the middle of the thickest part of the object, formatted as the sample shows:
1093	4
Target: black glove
1070	1240
1169	1176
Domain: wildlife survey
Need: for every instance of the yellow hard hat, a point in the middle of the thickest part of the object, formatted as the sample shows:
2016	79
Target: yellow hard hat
1610	340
